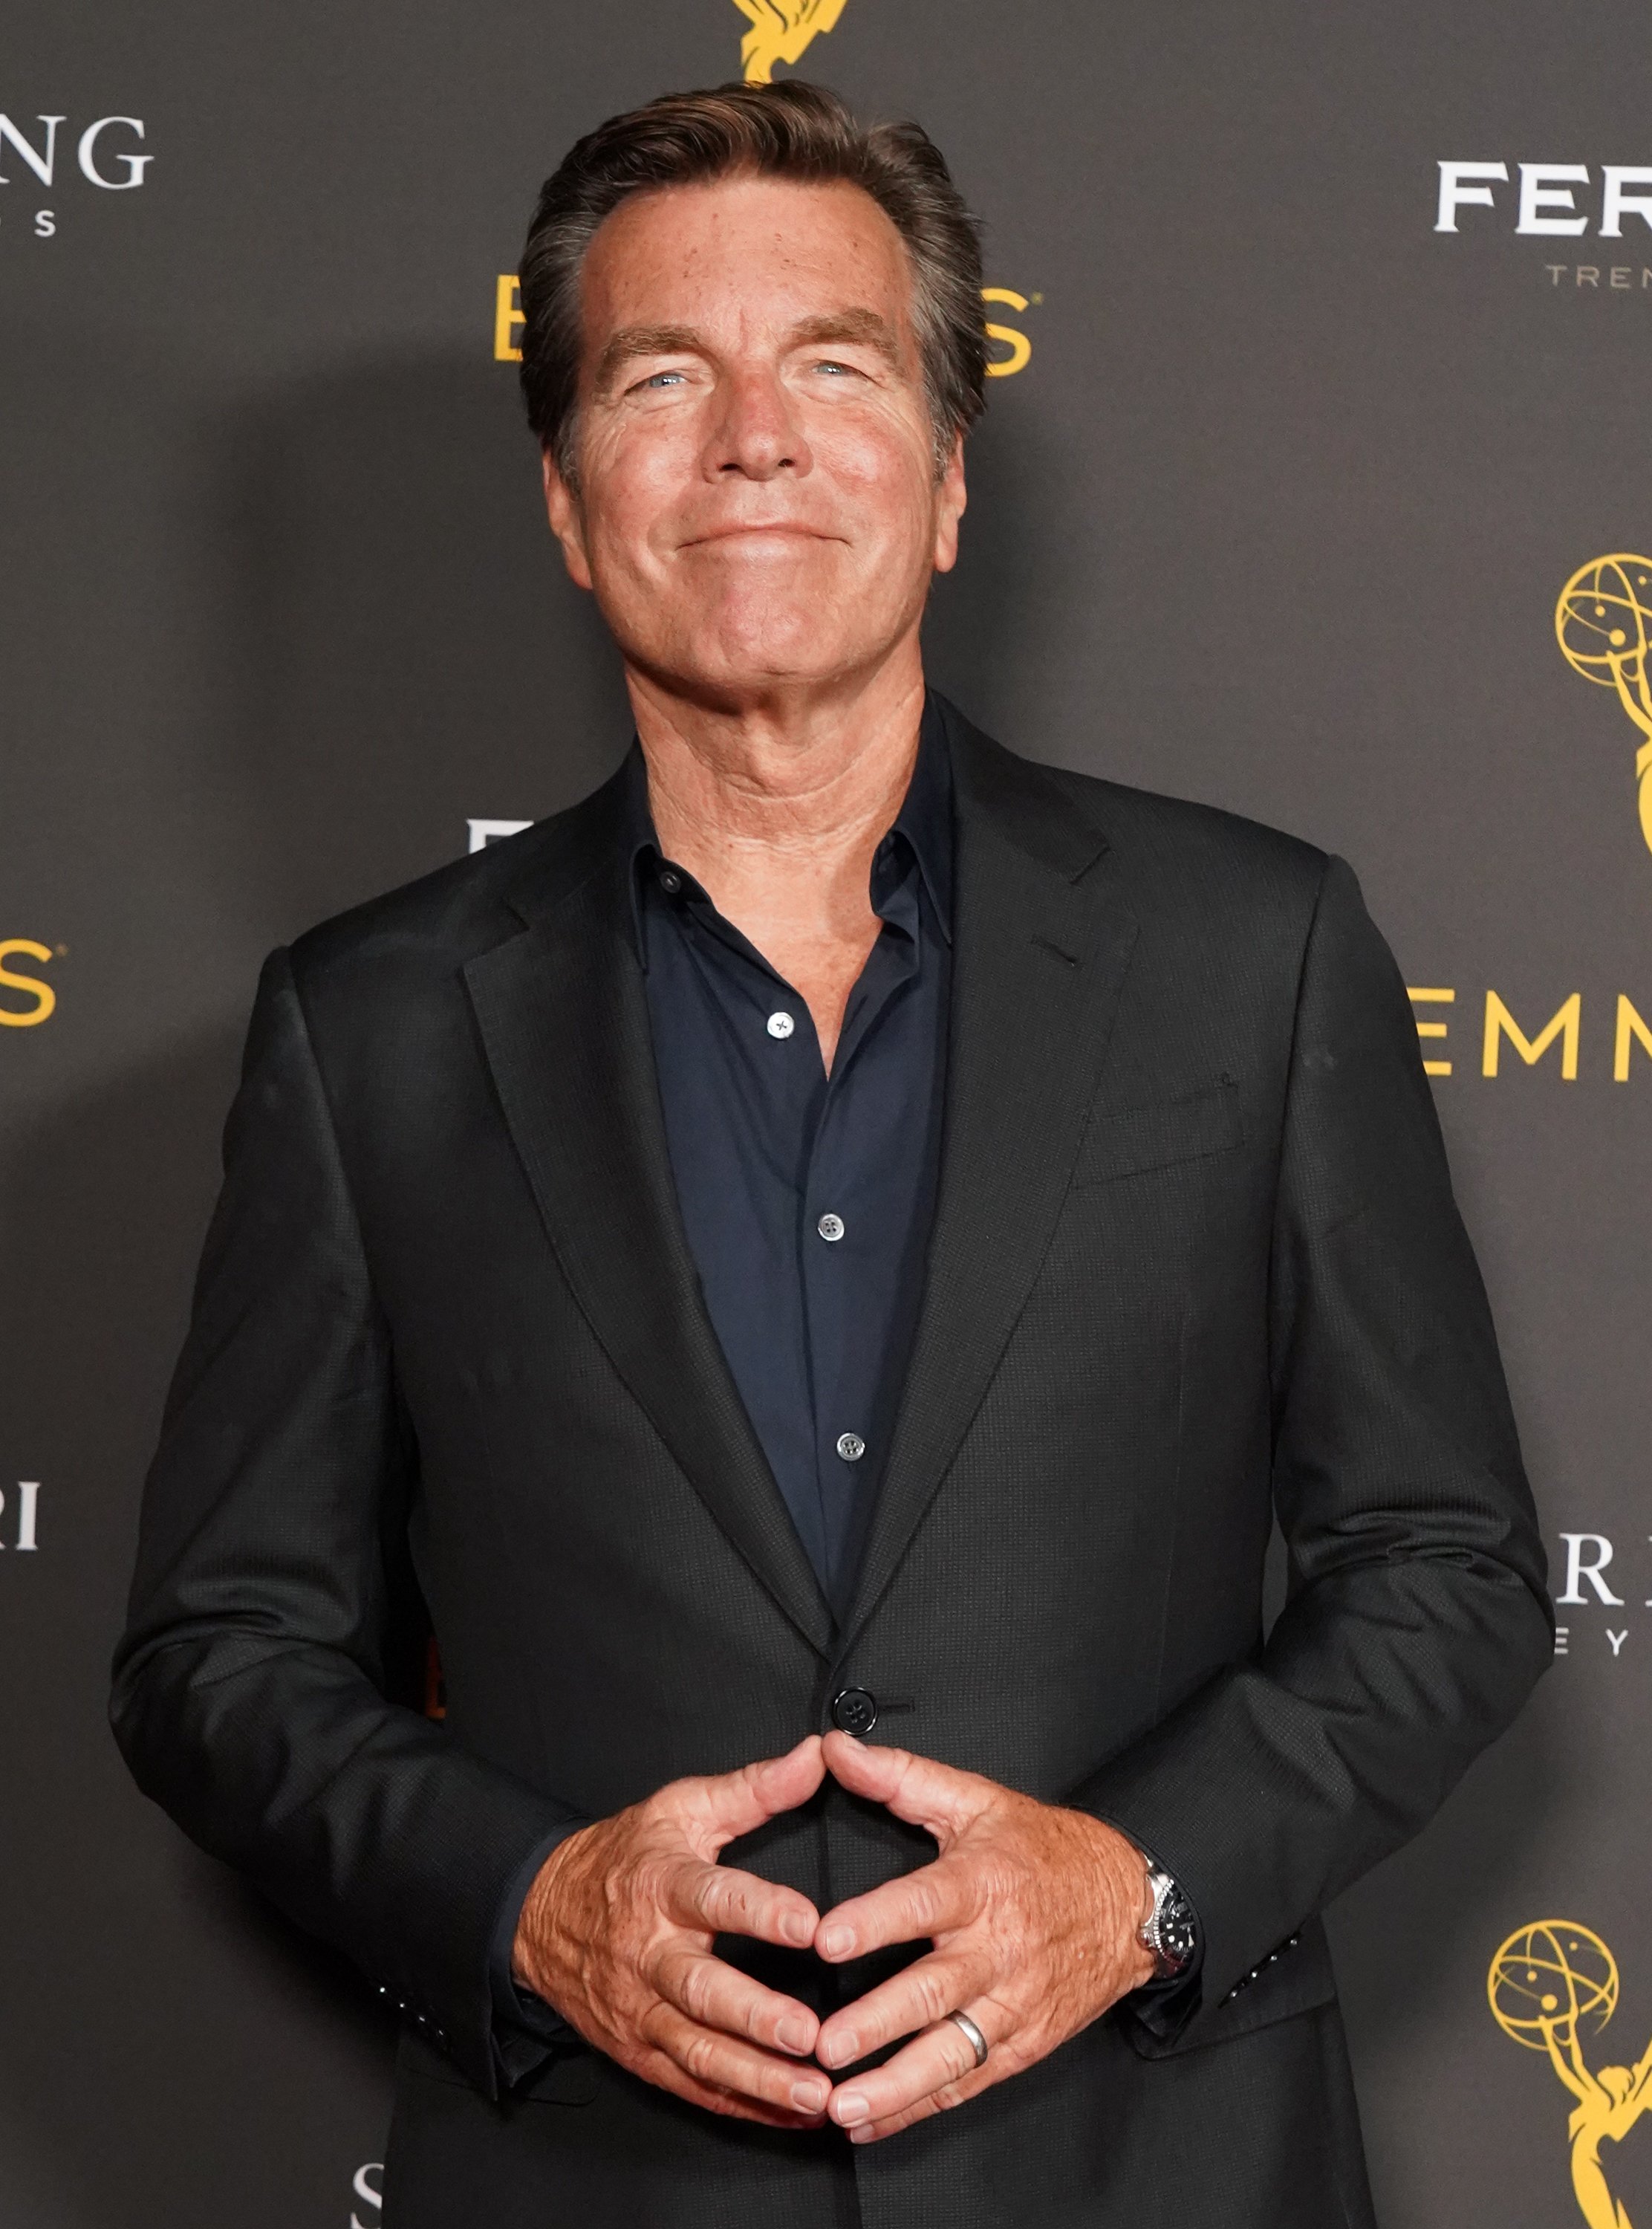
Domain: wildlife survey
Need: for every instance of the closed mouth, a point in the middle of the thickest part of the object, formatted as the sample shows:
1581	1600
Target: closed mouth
780	529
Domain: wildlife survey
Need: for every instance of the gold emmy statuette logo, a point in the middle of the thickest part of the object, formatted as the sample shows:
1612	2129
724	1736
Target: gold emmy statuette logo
780	30
1600	623
1548	1983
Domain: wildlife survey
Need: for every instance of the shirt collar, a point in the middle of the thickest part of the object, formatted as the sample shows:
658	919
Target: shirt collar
925	815
924	820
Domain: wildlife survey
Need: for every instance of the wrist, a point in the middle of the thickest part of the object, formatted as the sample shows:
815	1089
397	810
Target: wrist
1119	1901
536	1922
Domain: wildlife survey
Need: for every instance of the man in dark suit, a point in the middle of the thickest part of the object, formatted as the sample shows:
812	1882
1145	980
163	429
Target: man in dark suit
845	1233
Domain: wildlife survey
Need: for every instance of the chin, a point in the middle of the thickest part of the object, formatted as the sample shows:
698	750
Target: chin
803	643
736	677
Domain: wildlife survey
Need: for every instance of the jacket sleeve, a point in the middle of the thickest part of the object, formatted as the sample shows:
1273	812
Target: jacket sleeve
250	1687
1417	1619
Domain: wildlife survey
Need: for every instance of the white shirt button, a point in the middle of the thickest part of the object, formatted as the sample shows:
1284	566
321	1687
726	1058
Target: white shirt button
781	1025
830	1228
851	1446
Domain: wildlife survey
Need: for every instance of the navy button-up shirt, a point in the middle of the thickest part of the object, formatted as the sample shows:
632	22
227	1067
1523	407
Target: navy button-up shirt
807	1199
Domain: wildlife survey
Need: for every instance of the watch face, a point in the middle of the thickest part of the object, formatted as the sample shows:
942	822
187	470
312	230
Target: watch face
1176	1938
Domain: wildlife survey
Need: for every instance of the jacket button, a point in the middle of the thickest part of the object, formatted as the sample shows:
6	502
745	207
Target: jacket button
854	1712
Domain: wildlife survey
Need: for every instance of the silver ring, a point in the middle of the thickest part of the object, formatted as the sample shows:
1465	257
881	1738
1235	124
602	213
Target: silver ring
972	2035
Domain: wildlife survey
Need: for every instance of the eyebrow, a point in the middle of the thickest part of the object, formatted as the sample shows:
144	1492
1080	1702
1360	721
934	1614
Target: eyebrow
865	327
643	340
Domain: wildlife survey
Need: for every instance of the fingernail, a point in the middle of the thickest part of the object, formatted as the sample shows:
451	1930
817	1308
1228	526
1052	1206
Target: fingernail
809	2096
842	2050
798	1928
793	2033
852	2108
861	2135
836	1942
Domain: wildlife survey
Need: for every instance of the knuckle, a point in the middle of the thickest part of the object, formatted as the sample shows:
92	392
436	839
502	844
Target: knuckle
925	1906
651	1885
698	2055
935	1993
734	1896
703	1891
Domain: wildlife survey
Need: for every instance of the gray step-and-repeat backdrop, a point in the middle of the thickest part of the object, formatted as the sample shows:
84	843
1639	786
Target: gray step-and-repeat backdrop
1315	484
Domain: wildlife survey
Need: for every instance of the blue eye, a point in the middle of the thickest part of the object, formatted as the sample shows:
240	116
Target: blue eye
659	378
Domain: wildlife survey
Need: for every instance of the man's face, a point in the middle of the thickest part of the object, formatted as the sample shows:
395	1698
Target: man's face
757	506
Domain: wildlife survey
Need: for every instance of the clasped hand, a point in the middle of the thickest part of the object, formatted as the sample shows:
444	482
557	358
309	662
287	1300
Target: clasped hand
1031	1913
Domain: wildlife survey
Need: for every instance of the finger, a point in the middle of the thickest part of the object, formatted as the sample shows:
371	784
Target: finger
726	1804
874	2132
718	1995
726	1901
914	1908
935	2072
656	2066
937	1797
723	2062
916	1998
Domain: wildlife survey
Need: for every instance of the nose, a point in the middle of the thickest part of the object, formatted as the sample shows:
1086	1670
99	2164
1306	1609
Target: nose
757	433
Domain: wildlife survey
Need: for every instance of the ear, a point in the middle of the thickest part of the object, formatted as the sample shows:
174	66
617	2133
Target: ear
951	498
562	509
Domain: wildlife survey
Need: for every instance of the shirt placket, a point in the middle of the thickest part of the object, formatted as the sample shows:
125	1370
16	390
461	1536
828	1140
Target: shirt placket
832	1249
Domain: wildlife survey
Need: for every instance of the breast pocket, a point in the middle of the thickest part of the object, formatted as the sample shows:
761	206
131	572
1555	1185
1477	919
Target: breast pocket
1137	1139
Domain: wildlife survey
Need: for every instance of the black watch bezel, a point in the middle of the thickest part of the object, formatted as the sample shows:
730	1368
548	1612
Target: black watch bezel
1171	1931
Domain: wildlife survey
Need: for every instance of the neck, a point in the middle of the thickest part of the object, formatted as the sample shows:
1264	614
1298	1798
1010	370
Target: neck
803	779
776	809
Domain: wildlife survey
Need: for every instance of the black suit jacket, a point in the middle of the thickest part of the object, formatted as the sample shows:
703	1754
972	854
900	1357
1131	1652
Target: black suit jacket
1195	1261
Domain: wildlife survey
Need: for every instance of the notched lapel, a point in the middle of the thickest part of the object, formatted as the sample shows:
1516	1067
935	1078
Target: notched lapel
563	1013
1040	953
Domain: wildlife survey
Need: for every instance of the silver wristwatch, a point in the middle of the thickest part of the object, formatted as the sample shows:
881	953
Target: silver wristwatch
1169	1932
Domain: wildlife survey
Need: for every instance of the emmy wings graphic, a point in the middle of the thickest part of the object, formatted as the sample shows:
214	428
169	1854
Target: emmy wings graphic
1601	625
780	30
1548	1983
